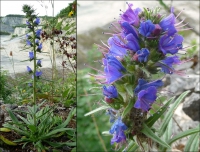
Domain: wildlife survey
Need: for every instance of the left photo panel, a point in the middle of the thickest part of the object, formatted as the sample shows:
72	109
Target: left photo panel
38	61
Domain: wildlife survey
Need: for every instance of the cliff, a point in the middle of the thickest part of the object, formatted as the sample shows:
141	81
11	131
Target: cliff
8	23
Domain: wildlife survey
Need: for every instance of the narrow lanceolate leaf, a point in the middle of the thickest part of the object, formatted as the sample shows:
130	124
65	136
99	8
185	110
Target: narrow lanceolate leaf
149	133
128	108
193	143
184	134
8	142
132	146
170	113
152	119
5	130
97	110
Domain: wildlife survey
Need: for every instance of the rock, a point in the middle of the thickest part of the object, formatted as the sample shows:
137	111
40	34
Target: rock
197	88
191	106
184	66
197	69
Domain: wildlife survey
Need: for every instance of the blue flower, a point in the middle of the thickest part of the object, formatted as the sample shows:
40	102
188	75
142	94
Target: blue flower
112	69
116	47
167	24
132	43
167	63
37	42
38	33
28	24
28	36
170	44
39	47
31	55
127	29
131	15
29	69
118	130
39	63
146	98
146	28
29	43
111	113
37	21
118	137
30	84
143	84
142	55
110	91
38	73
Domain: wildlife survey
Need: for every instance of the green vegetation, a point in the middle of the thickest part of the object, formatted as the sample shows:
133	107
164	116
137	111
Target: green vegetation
4	33
15	15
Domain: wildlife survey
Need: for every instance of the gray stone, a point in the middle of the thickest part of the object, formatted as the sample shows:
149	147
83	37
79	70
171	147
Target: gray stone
191	106
197	69
184	66
197	88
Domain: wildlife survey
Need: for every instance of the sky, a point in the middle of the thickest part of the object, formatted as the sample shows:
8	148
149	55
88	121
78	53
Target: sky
15	7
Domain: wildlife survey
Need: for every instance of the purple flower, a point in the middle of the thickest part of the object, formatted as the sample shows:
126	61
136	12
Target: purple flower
167	24
111	113
132	43
167	63
170	44
38	33
131	15
39	47
142	55
143	84
118	137
37	42
29	43
29	69
38	73
28	24
157	30
146	28
31	55
39	63
146	98
112	69
118	130
127	29
116	47
110	91
28	36
30	84
37	21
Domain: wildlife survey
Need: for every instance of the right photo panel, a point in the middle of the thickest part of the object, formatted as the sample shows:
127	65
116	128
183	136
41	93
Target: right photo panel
138	76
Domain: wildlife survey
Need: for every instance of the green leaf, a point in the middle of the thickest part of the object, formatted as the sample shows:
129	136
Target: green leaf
170	113
128	108
193	143
96	110
152	119
32	128
184	134
149	133
129	89
59	144
5	130
70	115
55	132
22	132
8	142
12	116
132	146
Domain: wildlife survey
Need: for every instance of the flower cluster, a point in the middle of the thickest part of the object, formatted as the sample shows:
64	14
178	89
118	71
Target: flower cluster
33	40
144	43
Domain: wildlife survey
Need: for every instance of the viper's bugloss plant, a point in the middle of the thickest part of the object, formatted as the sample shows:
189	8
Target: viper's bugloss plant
144	47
